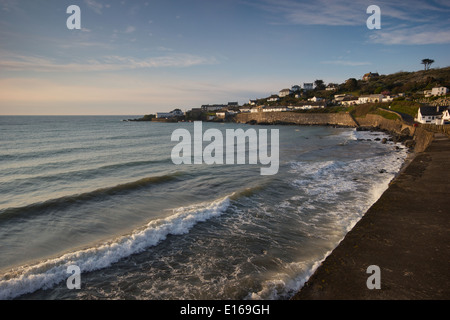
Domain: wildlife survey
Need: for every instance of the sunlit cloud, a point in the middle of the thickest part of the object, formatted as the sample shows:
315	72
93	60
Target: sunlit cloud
107	63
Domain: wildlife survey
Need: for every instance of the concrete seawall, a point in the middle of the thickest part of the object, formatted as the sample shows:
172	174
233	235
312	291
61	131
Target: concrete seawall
405	234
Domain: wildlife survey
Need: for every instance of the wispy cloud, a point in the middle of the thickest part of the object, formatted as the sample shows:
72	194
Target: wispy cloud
95	6
130	29
348	12
9	5
347	63
107	63
421	35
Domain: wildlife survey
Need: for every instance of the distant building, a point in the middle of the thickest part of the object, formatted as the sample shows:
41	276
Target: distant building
275	109
432	115
273	98
171	114
213	107
284	93
163	115
349	101
296	88
370	98
370	75
446	116
439	91
221	114
308	86
310	105
315	99
331	87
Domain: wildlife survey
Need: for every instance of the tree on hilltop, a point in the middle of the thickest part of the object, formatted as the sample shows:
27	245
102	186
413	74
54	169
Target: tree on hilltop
320	85
427	63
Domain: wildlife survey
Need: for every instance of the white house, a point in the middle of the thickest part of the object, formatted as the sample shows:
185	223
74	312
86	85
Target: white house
349	101
370	98
315	99
439	91
284	93
446	116
310	105
255	109
427	93
273	98
331	87
387	99
431	115
275	109
221	114
244	109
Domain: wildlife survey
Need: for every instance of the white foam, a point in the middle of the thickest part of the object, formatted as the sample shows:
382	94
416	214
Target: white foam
46	274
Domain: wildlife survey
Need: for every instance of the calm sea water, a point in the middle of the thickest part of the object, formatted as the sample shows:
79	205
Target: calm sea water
104	195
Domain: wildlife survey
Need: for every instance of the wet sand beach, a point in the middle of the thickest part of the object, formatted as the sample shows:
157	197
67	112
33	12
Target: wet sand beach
406	233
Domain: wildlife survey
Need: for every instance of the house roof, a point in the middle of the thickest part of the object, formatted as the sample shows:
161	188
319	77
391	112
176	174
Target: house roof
432	111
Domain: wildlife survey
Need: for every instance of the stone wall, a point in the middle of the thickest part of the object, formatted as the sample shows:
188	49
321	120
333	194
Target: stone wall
335	119
421	136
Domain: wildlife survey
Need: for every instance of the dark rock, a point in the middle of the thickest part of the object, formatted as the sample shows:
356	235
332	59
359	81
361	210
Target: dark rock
383	141
410	143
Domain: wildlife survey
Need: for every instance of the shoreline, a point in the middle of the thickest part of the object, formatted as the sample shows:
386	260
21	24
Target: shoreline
406	237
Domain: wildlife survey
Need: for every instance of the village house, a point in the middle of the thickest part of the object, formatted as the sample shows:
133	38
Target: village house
284	93
431	115
275	109
341	97
331	87
213	107
439	91
295	88
446	116
273	98
310	105
171	114
256	109
370	75
349	101
436	91
370	98
315	99
308	86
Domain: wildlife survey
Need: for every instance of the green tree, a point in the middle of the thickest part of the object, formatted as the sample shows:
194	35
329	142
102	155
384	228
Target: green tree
351	84
320	85
427	63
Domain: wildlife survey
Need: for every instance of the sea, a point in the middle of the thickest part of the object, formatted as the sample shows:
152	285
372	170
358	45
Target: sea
105	196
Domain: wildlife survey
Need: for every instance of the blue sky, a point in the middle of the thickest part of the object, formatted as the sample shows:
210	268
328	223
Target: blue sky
138	57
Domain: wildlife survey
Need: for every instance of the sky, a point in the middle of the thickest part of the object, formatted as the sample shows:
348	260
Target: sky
136	57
